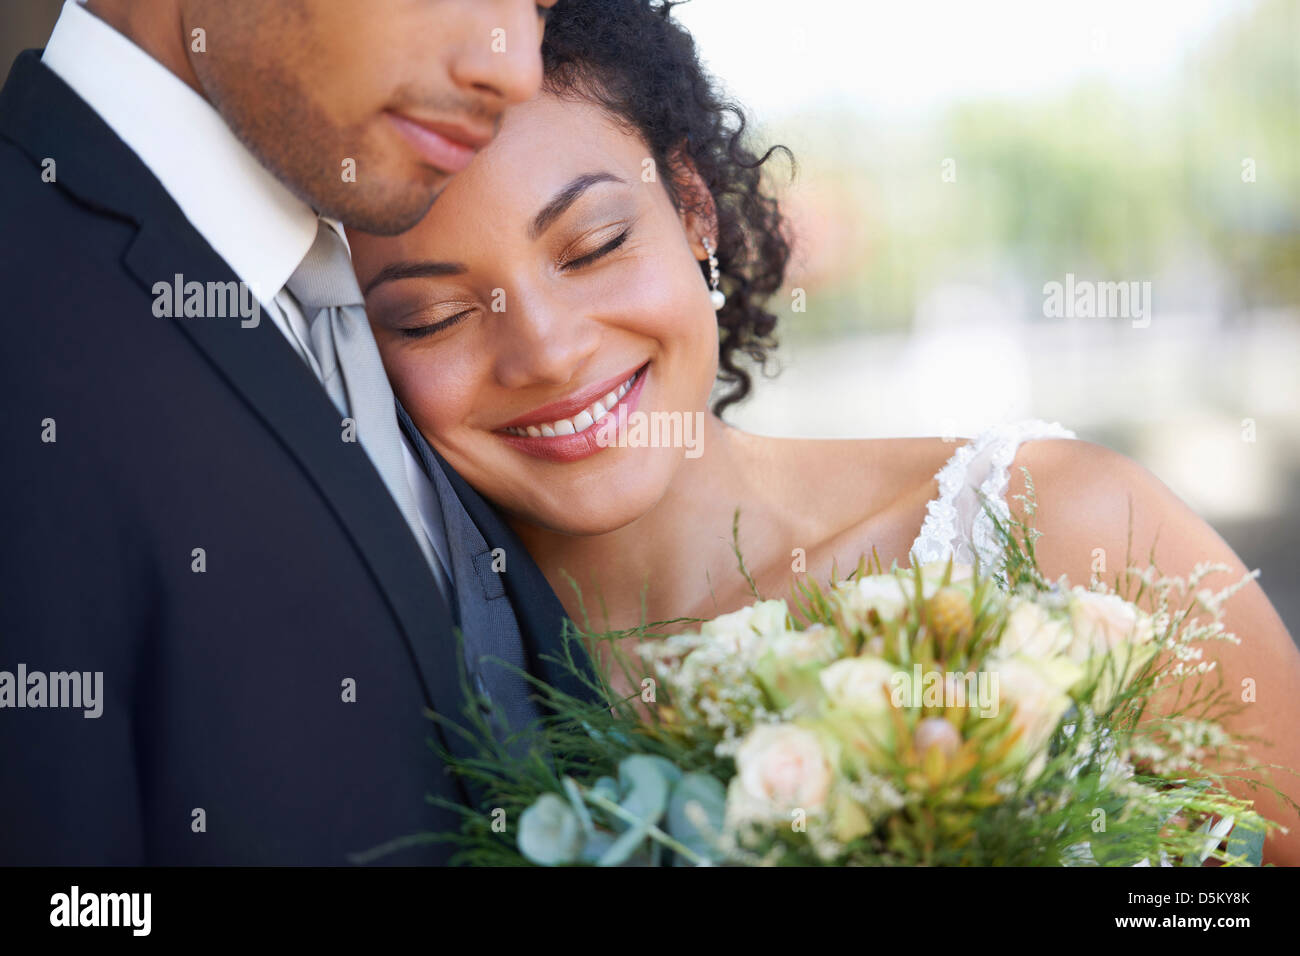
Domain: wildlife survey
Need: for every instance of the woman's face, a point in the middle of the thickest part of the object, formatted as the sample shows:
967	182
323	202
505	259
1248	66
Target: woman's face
551	273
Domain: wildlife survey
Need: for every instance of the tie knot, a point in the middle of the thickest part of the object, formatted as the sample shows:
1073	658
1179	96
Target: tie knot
324	279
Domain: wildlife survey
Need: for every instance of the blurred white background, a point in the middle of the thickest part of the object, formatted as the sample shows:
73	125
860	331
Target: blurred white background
954	158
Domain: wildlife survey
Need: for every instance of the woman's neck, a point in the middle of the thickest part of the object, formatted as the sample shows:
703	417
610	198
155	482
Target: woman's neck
676	560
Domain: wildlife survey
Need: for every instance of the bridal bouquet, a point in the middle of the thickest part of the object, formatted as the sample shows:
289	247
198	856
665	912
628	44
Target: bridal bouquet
935	715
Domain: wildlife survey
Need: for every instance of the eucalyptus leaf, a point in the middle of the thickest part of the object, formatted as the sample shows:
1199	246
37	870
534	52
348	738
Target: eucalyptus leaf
1247	842
645	783
550	833
672	773
597	845
622	849
608	788
708	794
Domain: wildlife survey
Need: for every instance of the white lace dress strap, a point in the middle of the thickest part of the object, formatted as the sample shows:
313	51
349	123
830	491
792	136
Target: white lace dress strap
956	525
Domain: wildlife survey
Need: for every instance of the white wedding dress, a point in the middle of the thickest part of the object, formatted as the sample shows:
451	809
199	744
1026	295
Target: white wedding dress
956	525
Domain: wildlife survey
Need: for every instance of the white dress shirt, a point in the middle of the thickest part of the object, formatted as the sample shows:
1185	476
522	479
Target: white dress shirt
252	220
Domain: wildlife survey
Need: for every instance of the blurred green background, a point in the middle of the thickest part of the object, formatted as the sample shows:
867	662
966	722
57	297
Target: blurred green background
954	158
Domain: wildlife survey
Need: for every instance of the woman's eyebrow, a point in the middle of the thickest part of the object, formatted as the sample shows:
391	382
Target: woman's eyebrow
565	198
413	269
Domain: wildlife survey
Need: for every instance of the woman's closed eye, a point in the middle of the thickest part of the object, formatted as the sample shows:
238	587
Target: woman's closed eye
420	331
587	258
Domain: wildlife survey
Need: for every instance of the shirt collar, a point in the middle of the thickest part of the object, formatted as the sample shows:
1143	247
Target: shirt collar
251	219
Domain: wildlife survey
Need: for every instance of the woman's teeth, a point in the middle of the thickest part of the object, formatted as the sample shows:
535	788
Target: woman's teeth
579	422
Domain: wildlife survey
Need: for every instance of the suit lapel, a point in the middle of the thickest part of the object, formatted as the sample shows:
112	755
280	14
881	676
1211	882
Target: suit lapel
42	116
539	613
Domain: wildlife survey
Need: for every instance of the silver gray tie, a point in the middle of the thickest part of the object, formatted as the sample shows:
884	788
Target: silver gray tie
352	372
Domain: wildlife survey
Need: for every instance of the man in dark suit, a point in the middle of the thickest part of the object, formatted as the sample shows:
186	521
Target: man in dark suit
230	580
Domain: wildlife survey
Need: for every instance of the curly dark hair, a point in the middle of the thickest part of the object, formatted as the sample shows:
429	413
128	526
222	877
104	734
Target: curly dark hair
631	58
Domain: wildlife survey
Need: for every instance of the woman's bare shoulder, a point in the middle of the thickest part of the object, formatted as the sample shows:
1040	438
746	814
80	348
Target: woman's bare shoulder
1093	503
856	494
861	470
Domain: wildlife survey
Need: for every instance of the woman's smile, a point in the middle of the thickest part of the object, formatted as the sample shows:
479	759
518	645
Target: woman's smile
555	432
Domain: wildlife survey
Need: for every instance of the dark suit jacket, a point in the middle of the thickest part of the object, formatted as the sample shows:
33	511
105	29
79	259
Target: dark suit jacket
223	689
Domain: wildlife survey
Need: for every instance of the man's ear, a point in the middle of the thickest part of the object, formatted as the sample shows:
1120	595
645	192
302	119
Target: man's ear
697	210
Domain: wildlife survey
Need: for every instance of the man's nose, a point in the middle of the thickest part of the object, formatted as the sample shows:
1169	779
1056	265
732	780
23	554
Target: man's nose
500	52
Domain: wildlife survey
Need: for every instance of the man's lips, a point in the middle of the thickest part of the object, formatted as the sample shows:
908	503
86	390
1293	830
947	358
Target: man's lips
445	146
572	405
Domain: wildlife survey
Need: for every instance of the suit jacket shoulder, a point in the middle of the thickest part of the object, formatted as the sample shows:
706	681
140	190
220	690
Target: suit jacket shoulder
182	519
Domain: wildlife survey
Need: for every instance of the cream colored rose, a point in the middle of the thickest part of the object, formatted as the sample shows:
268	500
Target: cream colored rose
744	631
1037	692
1102	622
1033	631
882	593
859	693
1112	637
779	768
813	644
932	573
860	684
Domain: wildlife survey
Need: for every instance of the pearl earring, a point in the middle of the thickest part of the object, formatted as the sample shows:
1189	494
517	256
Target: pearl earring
716	295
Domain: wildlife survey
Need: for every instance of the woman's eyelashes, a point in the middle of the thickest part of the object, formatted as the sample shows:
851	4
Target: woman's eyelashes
420	331
596	254
566	265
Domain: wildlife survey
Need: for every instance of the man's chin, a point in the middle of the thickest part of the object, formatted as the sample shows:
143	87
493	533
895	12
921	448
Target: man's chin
388	209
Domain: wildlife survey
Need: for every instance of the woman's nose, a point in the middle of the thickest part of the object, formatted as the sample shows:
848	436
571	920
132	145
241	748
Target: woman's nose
543	343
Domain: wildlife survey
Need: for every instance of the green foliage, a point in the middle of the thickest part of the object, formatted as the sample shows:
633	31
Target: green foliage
1104	181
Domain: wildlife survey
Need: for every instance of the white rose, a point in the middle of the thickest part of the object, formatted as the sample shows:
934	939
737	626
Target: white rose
882	593
741	631
1031	630
813	644
779	768
859	683
1112	637
1103	623
762	618
1037	690
932	573
770	617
